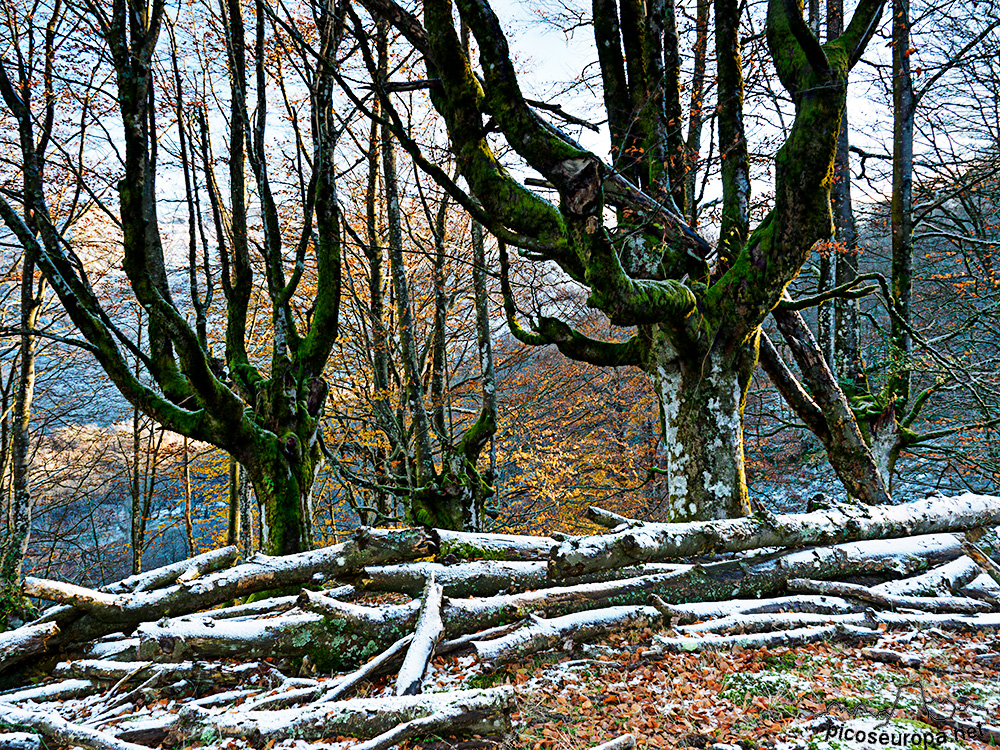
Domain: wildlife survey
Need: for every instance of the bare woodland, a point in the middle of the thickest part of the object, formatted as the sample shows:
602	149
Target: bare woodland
337	338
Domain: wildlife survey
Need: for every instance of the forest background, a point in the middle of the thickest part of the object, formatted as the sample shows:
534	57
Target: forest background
422	368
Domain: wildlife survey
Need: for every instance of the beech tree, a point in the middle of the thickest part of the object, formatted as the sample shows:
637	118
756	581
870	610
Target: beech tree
264	410
617	228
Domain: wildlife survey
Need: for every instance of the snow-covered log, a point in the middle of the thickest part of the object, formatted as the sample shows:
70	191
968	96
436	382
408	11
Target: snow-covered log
888	656
755	576
477	578
61	732
183	570
456	644
444	722
486	577
52	691
981	559
939	581
260	573
984	588
425	639
197	672
656	542
684	614
774	639
465	545
380	664
486	712
20	741
988	735
166	575
988	622
368	671
25	641
625	742
332	642
543	634
272	605
765	623
959	604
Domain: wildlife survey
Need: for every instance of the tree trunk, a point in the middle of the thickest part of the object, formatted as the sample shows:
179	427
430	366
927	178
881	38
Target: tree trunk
15	546
857	464
282	462
898	384
701	419
847	325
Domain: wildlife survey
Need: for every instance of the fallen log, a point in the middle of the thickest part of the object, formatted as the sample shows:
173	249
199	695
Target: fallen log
330	642
683	614
487	712
464	545
658	542
25	641
370	670
984	588
62	732
889	601
425	639
986	565
20	741
477	578
985	733
609	519
189	569
544	634
269	606
988	622
625	742
888	656
486	577
938	581
456	644
54	691
443	722
260	573
768	640
192	567
197	672
755	576
783	621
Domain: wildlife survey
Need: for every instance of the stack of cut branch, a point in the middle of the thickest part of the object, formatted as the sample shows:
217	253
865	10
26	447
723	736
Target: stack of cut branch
289	664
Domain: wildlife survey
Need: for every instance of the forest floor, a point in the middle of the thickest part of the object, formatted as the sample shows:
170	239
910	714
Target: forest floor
802	698
812	697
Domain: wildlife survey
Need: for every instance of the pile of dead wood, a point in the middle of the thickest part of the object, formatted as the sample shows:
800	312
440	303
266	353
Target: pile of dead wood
317	626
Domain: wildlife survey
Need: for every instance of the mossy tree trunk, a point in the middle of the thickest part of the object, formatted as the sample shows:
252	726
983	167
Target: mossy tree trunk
696	324
701	413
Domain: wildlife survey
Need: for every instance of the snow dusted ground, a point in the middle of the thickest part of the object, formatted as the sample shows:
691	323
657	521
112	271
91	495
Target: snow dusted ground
816	697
